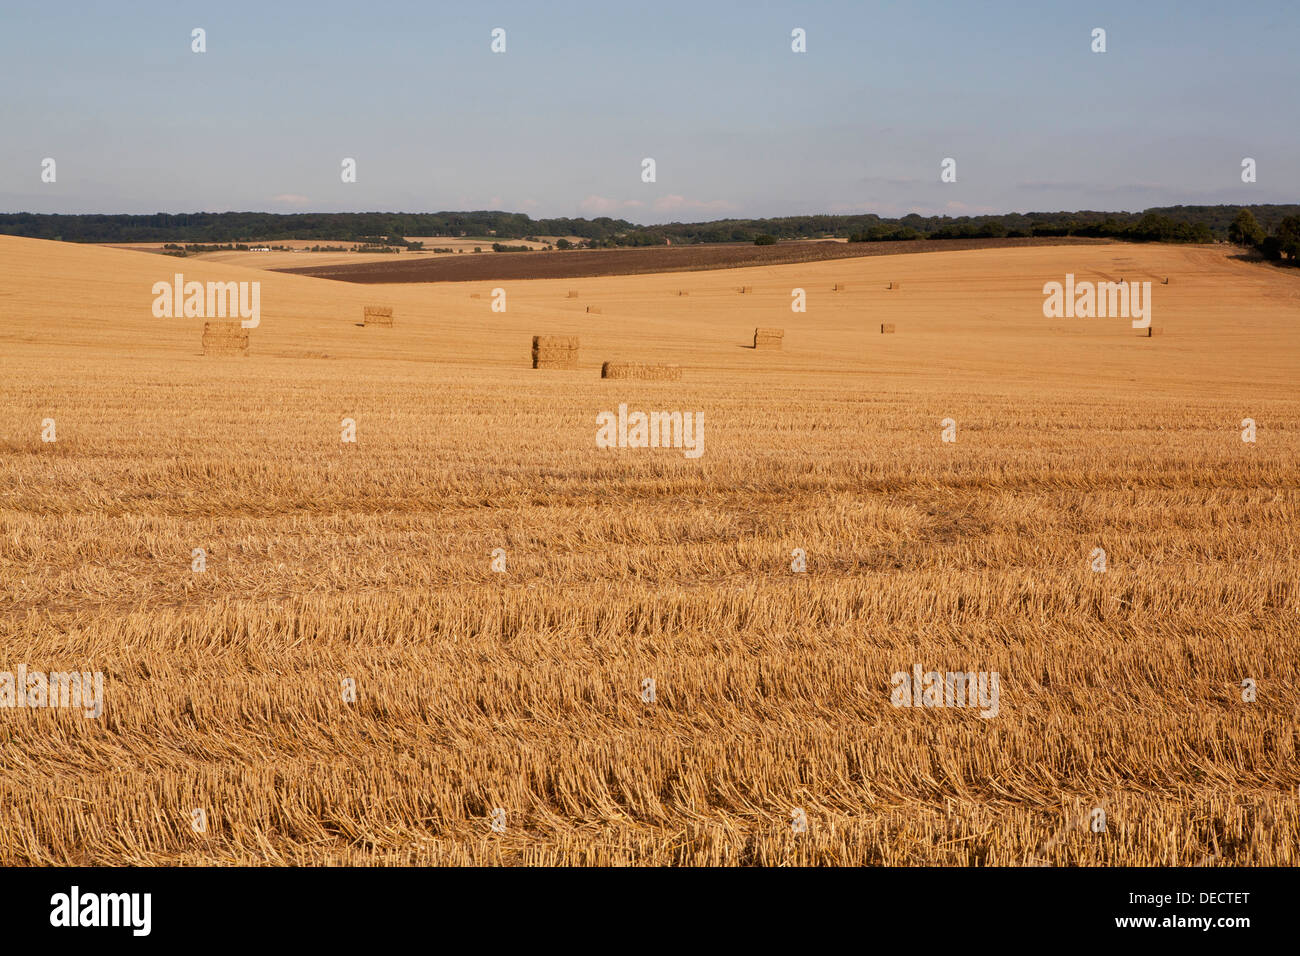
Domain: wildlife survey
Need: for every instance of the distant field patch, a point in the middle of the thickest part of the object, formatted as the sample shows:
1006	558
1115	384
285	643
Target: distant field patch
610	262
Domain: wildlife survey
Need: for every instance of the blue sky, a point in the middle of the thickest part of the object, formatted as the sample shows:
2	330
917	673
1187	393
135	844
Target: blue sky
737	123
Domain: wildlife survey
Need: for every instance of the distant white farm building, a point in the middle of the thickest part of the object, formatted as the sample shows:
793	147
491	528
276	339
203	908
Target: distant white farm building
260	249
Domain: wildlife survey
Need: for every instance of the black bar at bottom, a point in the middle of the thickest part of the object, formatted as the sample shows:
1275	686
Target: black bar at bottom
340	906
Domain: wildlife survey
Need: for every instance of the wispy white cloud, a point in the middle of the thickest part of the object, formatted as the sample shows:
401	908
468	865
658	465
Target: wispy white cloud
676	203
891	180
893	210
955	208
595	205
1035	184
603	206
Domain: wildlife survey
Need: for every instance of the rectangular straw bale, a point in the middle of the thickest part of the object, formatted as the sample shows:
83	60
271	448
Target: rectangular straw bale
768	338
224	337
555	354
555	341
555	351
593	310
230	327
555	358
886	328
641	370
377	315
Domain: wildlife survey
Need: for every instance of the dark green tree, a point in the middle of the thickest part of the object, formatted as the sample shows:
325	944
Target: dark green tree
1245	230
1288	237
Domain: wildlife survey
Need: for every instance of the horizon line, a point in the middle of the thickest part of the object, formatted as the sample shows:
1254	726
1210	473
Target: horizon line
661	225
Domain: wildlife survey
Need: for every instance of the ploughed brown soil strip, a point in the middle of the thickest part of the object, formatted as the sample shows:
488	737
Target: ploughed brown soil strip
612	262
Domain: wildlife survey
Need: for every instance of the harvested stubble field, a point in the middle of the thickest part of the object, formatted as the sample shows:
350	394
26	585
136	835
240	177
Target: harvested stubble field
522	690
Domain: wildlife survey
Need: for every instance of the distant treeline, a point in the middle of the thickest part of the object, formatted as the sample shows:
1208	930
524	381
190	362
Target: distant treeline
1146	227
1168	224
